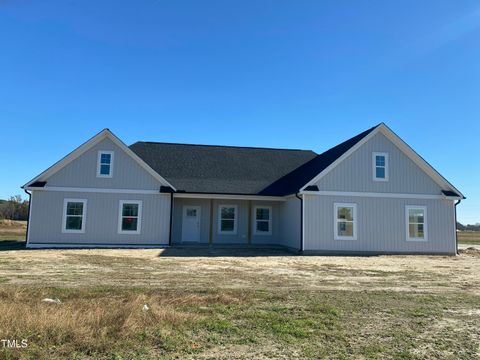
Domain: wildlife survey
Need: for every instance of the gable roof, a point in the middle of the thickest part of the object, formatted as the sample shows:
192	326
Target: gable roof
220	169
39	181
404	147
238	170
294	181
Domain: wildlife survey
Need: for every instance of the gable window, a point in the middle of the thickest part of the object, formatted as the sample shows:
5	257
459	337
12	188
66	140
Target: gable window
105	164
416	220
130	217
263	220
227	222
345	216
74	211
380	166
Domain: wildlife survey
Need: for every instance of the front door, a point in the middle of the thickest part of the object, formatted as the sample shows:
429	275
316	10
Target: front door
191	224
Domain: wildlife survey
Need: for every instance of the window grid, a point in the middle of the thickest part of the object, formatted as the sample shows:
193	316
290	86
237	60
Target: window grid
263	220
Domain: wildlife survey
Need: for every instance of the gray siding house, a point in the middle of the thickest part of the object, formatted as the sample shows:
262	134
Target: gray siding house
371	194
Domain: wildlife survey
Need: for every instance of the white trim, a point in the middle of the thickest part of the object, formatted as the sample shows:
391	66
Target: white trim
105	133
407	223
199	218
255	231
374	166
86	245
120	217
336	220
29	223
379	195
229	197
303	221
404	147
235	219
97	190
339	160
99	163
64	217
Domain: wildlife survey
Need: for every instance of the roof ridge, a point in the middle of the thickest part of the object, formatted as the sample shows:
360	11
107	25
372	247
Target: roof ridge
224	146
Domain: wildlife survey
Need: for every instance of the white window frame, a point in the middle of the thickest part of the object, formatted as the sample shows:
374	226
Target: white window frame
255	220
374	166
64	218
139	217
407	222
235	220
336	221
99	158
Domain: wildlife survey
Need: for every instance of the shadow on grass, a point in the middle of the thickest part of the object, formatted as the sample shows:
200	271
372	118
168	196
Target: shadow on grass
6	245
226	251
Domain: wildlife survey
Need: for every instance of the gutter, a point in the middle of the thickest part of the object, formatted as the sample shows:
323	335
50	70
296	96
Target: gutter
29	210
301	221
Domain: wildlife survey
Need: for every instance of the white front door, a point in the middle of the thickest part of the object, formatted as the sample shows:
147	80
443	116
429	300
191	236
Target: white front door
191	224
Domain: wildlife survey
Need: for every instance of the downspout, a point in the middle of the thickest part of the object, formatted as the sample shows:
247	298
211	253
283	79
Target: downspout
29	210
171	220
301	221
456	232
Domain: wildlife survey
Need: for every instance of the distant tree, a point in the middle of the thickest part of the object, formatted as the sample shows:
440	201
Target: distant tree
14	208
468	227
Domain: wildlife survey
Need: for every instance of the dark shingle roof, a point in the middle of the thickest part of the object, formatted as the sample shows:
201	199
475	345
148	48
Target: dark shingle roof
219	169
295	180
237	170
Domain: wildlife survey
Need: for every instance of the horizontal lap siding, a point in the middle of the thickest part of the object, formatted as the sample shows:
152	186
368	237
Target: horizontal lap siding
381	225
101	225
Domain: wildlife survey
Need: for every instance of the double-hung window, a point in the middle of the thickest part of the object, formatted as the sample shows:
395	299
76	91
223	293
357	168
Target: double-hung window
263	220
345	216
130	217
74	213
416	221
227	219
380	166
105	164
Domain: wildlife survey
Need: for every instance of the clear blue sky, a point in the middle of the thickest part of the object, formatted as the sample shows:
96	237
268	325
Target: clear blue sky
300	74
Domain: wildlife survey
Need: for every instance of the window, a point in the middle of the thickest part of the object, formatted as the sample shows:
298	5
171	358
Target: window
130	217
105	164
227	223
416	220
345	216
74	211
380	166
263	220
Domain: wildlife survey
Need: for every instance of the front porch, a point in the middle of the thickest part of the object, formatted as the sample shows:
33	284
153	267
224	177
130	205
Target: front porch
220	220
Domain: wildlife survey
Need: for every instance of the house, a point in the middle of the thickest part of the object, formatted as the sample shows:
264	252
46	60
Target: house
371	194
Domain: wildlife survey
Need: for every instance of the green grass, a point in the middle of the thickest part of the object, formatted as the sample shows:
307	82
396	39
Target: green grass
469	237
268	324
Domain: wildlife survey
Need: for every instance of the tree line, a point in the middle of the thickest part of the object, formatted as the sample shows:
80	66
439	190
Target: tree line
468	227
14	208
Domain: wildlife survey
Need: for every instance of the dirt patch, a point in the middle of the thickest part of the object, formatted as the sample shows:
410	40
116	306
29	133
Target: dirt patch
151	267
470	251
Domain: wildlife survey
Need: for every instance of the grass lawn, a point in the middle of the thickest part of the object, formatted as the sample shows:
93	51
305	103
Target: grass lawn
469	237
223	307
210	304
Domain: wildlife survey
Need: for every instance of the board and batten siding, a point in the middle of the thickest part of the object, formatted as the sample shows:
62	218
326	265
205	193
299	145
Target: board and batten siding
290	223
241	237
355	173
381	225
82	172
101	223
